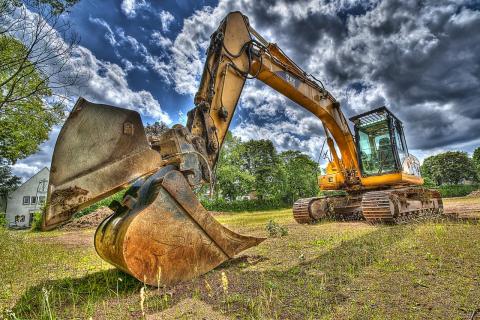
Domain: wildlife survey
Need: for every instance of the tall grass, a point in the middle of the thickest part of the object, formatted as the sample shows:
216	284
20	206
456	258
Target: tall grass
41	280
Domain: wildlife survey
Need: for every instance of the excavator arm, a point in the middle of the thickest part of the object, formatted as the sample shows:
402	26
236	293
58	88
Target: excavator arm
159	232
238	52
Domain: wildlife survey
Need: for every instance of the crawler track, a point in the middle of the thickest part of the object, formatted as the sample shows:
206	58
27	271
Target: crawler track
302	210
400	205
382	206
376	207
343	208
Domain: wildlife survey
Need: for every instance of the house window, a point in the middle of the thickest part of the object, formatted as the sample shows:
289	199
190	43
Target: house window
41	199
26	200
33	200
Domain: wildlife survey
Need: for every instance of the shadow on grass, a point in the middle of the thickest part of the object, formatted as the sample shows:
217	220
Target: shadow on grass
79	294
309	290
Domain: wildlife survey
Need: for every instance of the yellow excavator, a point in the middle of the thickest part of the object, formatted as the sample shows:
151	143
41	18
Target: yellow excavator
160	233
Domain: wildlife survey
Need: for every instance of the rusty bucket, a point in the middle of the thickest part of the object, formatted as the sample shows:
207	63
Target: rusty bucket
162	234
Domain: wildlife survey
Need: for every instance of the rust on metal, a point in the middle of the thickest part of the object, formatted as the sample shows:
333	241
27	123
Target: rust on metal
167	236
63	196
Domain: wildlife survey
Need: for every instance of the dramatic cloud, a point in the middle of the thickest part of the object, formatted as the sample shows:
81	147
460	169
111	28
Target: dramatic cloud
129	45
28	167
100	82
420	58
109	34
269	115
107	83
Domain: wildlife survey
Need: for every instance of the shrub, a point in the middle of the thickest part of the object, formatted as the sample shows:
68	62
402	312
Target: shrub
275	230
243	205
428	182
3	220
459	190
37	221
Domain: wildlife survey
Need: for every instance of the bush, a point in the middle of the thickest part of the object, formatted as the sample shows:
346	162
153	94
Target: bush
275	230
100	204
243	205
428	183
3	220
459	190
37	221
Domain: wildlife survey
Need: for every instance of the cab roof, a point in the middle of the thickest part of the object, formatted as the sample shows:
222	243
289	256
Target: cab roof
373	116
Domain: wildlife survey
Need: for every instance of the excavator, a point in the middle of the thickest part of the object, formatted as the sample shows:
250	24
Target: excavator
160	233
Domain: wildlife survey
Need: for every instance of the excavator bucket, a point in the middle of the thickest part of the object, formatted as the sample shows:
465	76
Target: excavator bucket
159	233
163	234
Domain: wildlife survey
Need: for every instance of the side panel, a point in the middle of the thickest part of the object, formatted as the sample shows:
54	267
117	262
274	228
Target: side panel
391	179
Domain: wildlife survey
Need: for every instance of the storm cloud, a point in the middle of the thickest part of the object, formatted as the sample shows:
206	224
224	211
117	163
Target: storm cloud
419	58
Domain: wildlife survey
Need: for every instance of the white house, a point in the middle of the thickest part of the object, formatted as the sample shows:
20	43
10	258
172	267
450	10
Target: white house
27	199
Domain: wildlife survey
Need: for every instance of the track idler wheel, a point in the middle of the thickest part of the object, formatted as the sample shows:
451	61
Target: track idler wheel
309	210
161	234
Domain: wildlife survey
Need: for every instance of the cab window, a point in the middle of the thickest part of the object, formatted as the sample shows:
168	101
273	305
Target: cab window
376	150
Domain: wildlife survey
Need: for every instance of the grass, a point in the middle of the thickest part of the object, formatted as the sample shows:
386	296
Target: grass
461	201
330	270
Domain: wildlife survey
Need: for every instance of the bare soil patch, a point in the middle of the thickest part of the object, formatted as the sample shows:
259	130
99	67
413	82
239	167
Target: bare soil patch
464	208
77	238
91	220
474	194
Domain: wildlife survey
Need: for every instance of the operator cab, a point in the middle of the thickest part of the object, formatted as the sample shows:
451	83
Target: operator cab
380	143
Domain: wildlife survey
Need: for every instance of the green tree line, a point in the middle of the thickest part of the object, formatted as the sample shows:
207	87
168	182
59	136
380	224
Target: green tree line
451	168
256	169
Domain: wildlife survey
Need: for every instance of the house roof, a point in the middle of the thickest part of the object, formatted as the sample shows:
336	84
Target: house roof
36	174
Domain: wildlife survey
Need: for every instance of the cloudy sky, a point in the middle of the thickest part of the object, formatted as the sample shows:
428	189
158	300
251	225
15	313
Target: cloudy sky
420	58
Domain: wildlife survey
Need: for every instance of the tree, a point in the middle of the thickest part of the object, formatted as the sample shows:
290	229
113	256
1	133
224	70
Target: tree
35	47
8	182
231	181
156	129
256	166
451	167
260	159
476	160
24	123
301	175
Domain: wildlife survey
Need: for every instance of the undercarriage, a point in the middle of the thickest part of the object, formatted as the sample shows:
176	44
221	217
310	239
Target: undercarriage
380	206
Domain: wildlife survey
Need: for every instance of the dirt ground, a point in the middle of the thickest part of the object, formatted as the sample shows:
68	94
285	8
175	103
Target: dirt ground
91	220
465	208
